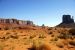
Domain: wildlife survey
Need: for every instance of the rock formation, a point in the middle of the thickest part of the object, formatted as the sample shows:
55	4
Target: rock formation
67	22
67	19
15	21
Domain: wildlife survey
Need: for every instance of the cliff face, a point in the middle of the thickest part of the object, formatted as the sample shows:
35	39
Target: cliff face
15	21
67	19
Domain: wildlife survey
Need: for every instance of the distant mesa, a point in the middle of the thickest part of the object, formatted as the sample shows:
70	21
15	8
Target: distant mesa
67	21
15	21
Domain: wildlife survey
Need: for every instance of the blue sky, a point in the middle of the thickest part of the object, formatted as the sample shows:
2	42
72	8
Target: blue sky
48	12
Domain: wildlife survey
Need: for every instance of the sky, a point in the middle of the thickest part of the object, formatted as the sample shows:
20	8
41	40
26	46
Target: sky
47	12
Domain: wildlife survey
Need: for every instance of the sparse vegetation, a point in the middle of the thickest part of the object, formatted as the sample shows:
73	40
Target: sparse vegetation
1	45
42	36
50	32
72	43
36	39
52	35
39	46
14	36
6	28
60	45
54	39
50	28
0	28
72	31
32	36
7	33
64	36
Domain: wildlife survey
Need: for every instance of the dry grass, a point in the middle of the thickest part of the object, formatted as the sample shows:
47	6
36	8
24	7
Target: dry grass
22	39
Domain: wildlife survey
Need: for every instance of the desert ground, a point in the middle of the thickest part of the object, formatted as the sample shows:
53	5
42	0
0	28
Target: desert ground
37	38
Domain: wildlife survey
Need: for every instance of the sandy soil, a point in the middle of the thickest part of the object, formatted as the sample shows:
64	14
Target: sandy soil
42	38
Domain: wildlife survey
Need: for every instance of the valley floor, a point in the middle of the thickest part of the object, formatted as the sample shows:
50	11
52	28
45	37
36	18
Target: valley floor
37	39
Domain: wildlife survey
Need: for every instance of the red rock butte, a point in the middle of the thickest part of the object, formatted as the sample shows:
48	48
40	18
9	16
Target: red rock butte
14	22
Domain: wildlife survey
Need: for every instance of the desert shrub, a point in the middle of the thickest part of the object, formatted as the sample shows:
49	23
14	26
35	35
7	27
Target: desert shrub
2	46
21	32
13	30
11	48
54	39
19	28
2	37
7	33
50	28
44	47
72	43
72	31
34	28
6	28
32	48
0	28
64	36
42	36
55	28
6	36
14	36
31	37
36	44
60	45
41	47
50	33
